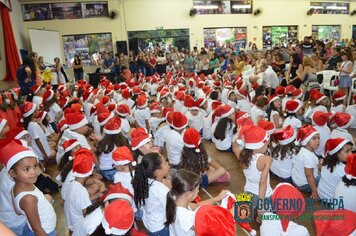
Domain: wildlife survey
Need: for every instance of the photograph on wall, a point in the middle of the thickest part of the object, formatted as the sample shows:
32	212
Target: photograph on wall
214	37
67	11
279	35
36	12
326	32
223	7
85	45
95	9
330	7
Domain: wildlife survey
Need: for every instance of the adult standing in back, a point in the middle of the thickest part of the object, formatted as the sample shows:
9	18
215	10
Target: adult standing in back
26	76
77	68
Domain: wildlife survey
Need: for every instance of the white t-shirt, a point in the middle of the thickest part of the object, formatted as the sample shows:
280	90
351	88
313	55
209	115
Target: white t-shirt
77	199
342	133
154	122
282	168
89	223
329	181
270	78
348	194
351	110
304	159
224	95
87	107
45	209
231	103
274	227
178	105
125	180
255	112
161	135
174	145
184	222
48	130
195	121
226	143
141	115
37	100
154	210
273	113
53	111
36	132
339	108
66	184
8	215
294	122
207	133
105	160
243	105
324	132
319	108
125	127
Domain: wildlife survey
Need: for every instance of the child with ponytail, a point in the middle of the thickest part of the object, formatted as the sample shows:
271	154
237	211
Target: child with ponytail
150	185
223	127
196	159
180	209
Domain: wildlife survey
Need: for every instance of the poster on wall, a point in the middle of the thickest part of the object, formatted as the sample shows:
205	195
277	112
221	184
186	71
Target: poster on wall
223	7
326	32
279	35
36	12
66	10
330	7
221	36
95	9
85	45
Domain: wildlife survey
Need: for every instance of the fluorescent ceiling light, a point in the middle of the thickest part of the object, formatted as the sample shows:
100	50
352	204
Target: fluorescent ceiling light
316	7
206	7
336	8
241	6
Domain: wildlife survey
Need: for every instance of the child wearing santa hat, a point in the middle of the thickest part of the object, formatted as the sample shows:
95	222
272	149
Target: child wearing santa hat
50	105
343	122
150	192
274	111
4	128
123	111
284	226
243	100
156	117
223	127
335	222
77	197
294	108
347	186
320	123
142	113
195	117
37	92
283	153
180	211
256	165
22	165
112	139
351	110
141	144
338	102
305	172
231	98
332	170
196	159
162	129
258	111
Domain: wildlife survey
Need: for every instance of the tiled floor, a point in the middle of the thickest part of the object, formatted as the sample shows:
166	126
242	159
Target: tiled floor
236	185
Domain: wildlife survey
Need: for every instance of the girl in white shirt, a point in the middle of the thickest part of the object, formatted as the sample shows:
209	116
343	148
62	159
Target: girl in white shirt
180	211
258	111
150	192
333	166
50	105
274	112
223	127
123	162
294	109
231	99
338	102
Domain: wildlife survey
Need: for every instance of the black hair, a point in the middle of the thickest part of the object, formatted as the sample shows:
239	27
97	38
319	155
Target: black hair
47	104
136	154
214	95
330	161
349	182
196	162
182	181
65	165
28	61
296	59
337	103
221	127
27	120
271	108
45	122
291	115
283	151
146	169
110	141
246	157
258	92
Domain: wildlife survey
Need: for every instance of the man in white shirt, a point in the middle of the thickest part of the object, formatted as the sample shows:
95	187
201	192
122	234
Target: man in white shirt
270	78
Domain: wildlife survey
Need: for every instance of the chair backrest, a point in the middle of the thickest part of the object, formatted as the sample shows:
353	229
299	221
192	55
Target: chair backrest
353	85
328	75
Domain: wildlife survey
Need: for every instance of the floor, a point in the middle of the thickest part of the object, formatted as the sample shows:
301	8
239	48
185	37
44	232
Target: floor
235	185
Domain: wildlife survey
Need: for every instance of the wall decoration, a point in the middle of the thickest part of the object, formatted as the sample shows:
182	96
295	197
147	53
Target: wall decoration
329	7
326	32
95	9
219	36
67	11
85	45
37	12
278	35
223	7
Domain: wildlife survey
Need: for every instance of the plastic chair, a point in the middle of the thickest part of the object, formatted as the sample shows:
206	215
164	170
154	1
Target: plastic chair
328	81
351	91
246	76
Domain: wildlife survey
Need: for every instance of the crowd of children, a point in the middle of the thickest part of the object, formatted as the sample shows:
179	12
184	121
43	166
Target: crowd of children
134	151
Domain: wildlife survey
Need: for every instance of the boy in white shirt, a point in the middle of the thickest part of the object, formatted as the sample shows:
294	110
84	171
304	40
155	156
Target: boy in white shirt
343	122
320	121
142	114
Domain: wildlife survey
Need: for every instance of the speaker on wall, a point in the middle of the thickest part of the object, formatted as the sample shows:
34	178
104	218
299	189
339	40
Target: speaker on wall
121	47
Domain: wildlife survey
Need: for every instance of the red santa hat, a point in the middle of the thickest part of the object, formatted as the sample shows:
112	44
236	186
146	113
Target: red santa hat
215	104
272	98
354	98
285	135
118	218
136	90
87	95
155	107
122	156
192	105
117	191
214	220
68	145
298	93
201	101
139	137
253	137
12	151
292	106
243	121
287	192
125	93
123	110
306	133
228	85
93	111
222	112
62	125
267	125
141	101
320	118
290	89
28	109
34	89
16	133
48	95
76	120
179	120
334	145
179	95
63	101
350	167
104	117
192	139
3	122
339	95
108	92
343	120
163	94
280	91
105	100
113	126
242	93
318	97
41	115
329	223
83	163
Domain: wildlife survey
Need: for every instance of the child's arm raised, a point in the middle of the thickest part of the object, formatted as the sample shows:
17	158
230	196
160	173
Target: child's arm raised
29	205
311	181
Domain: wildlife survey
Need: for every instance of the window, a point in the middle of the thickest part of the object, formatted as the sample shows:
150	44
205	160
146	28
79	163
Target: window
326	32
223	7
221	36
279	35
